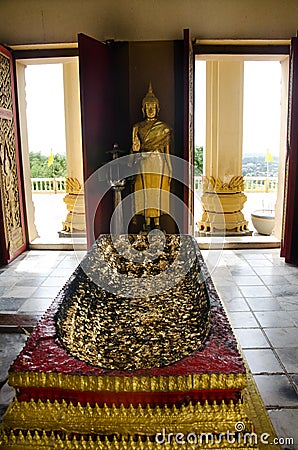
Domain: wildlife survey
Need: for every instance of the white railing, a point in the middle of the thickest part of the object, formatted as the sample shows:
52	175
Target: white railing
48	185
260	184
251	184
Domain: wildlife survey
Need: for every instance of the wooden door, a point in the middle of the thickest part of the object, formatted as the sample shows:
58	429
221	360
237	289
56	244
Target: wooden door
12	230
113	79
290	236
97	109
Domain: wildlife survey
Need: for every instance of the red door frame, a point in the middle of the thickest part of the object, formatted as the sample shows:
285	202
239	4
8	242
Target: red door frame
290	236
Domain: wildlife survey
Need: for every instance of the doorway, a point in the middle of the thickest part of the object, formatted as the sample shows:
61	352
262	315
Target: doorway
263	143
50	125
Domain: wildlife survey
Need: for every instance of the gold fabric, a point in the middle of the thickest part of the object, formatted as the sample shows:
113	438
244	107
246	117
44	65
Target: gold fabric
151	139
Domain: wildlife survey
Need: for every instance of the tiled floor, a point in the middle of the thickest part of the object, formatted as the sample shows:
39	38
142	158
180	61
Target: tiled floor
259	290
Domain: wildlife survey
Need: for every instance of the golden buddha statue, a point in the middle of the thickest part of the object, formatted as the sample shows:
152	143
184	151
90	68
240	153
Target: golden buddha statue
151	140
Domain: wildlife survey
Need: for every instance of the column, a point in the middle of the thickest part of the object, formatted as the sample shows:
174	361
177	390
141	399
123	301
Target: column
74	199
223	184
32	231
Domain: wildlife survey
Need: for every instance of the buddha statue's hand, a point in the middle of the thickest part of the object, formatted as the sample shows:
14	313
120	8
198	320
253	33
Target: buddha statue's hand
136	145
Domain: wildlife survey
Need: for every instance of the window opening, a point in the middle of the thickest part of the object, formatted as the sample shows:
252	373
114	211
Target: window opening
264	125
47	147
261	135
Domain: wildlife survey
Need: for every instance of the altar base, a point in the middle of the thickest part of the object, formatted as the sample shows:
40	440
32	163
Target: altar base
205	400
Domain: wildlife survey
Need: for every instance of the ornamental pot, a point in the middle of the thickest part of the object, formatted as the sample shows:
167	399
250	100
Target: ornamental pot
263	220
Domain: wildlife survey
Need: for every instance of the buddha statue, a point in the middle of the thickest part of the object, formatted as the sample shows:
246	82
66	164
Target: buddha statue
151	142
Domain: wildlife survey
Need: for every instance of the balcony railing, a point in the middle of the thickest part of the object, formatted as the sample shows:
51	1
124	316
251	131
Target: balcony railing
251	184
260	184
48	185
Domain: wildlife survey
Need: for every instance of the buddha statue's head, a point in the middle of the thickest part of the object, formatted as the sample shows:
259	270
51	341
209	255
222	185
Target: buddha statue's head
150	104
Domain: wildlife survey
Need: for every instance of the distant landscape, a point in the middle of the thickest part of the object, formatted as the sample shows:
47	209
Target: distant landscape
256	166
253	165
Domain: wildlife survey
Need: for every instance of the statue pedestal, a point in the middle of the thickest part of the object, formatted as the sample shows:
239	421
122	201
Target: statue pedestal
63	402
75	221
222	203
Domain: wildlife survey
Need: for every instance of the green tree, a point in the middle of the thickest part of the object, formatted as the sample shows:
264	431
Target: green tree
39	166
198	161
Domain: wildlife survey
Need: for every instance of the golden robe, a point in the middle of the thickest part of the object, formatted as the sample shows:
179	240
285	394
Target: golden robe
151	139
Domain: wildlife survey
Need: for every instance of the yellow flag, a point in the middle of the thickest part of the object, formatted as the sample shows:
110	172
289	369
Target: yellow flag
51	159
268	157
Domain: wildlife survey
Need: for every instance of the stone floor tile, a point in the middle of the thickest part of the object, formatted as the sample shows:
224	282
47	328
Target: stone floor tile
7	394
294	378
285	424
288	303
54	282
266	271
263	304
10	346
255	291
229	292
243	320
61	273
247	280
284	290
46	292
289	358
293	279
8	280
30	281
276	391
41	271
11	304
260	263
236	304
272	319
3	289
243	271
251	338
274	280
20	291
222	272
36	305
262	361
294	316
68	264
282	337
254	256
223	281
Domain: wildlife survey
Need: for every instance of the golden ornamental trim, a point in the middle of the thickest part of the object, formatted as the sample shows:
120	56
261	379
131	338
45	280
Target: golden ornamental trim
128	384
73	186
217	418
211	184
40	441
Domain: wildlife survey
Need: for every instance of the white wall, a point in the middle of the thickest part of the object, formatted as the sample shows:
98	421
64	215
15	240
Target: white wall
49	21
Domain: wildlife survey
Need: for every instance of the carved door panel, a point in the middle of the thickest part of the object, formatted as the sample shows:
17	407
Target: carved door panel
12	236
